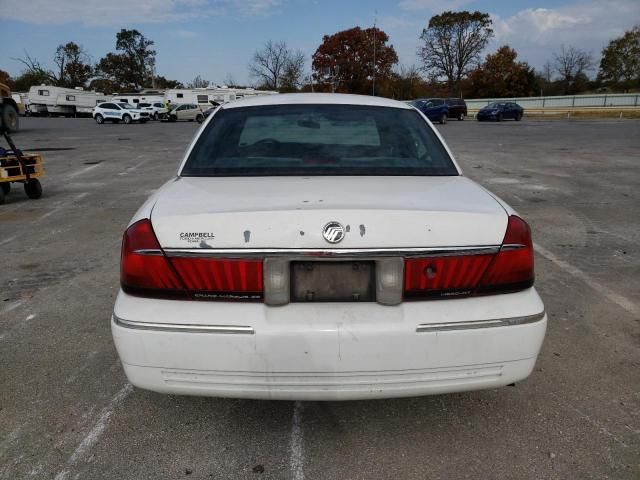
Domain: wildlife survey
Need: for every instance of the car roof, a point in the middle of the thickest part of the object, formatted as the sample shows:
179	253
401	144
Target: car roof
317	98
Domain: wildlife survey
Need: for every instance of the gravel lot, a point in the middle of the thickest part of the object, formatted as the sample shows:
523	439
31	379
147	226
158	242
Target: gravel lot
66	410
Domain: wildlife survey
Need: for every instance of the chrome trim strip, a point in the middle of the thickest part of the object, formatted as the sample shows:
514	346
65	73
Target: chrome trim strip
472	325
148	251
329	252
176	327
512	246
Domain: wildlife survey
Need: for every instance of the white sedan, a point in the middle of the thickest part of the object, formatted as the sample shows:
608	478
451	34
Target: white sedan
325	247
119	112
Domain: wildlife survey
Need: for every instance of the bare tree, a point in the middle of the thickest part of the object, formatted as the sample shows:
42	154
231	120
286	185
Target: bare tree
293	73
452	43
229	81
276	66
198	82
34	67
572	64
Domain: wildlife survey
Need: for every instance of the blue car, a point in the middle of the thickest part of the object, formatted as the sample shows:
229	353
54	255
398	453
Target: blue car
435	109
499	111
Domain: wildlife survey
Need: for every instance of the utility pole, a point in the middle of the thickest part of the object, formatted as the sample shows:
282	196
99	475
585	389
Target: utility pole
375	20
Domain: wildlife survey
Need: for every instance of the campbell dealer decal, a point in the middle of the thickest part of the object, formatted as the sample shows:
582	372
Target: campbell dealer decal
196	237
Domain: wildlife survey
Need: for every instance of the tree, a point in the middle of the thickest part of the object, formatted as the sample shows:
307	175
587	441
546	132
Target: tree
34	69
452	43
621	58
571	64
345	61
276	66
408	84
502	76
293	73
198	82
133	68
74	65
164	83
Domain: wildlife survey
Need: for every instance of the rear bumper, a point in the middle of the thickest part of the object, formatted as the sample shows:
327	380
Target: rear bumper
327	351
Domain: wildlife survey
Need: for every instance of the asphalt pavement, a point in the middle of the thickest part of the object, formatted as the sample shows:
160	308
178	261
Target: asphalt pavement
67	411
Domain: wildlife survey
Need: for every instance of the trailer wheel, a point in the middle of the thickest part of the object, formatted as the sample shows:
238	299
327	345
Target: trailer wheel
126	119
33	189
5	187
9	118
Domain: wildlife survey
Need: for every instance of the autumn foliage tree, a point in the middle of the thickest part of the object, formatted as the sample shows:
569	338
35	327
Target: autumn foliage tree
344	62
501	75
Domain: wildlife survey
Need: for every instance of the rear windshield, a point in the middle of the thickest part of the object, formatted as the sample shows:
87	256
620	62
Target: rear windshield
317	140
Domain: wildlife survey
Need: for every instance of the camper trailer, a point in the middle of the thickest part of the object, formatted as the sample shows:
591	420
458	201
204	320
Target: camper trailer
145	96
51	100
206	97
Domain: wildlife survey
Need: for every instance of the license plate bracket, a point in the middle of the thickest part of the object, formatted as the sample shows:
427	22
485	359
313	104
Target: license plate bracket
333	281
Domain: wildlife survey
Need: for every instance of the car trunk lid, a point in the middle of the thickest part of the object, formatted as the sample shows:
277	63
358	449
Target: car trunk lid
291	212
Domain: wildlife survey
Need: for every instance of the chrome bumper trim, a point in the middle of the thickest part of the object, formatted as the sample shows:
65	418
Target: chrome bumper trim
329	252
500	322
176	327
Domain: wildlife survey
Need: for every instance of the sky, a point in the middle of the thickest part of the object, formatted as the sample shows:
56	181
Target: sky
216	38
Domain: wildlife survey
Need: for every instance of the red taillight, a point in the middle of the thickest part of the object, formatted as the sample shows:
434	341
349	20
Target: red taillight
221	278
146	271
443	276
511	269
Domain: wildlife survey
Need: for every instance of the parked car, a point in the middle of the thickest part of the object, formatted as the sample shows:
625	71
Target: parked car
457	108
186	111
155	109
325	247
118	112
499	111
209	111
435	109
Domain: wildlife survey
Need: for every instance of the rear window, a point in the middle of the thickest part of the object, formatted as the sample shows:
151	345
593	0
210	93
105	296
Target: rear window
317	140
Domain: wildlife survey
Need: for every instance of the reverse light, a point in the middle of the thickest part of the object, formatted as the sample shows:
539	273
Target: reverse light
389	281
276	281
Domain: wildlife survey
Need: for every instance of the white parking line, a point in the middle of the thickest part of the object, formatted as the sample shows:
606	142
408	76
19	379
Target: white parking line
83	170
614	297
98	429
296	459
10	307
133	168
7	240
80	196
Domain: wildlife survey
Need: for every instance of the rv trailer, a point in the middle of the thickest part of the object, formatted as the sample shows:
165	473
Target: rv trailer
145	96
206	97
52	100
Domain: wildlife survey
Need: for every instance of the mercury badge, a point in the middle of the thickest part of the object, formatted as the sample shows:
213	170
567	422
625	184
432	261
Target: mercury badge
333	232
